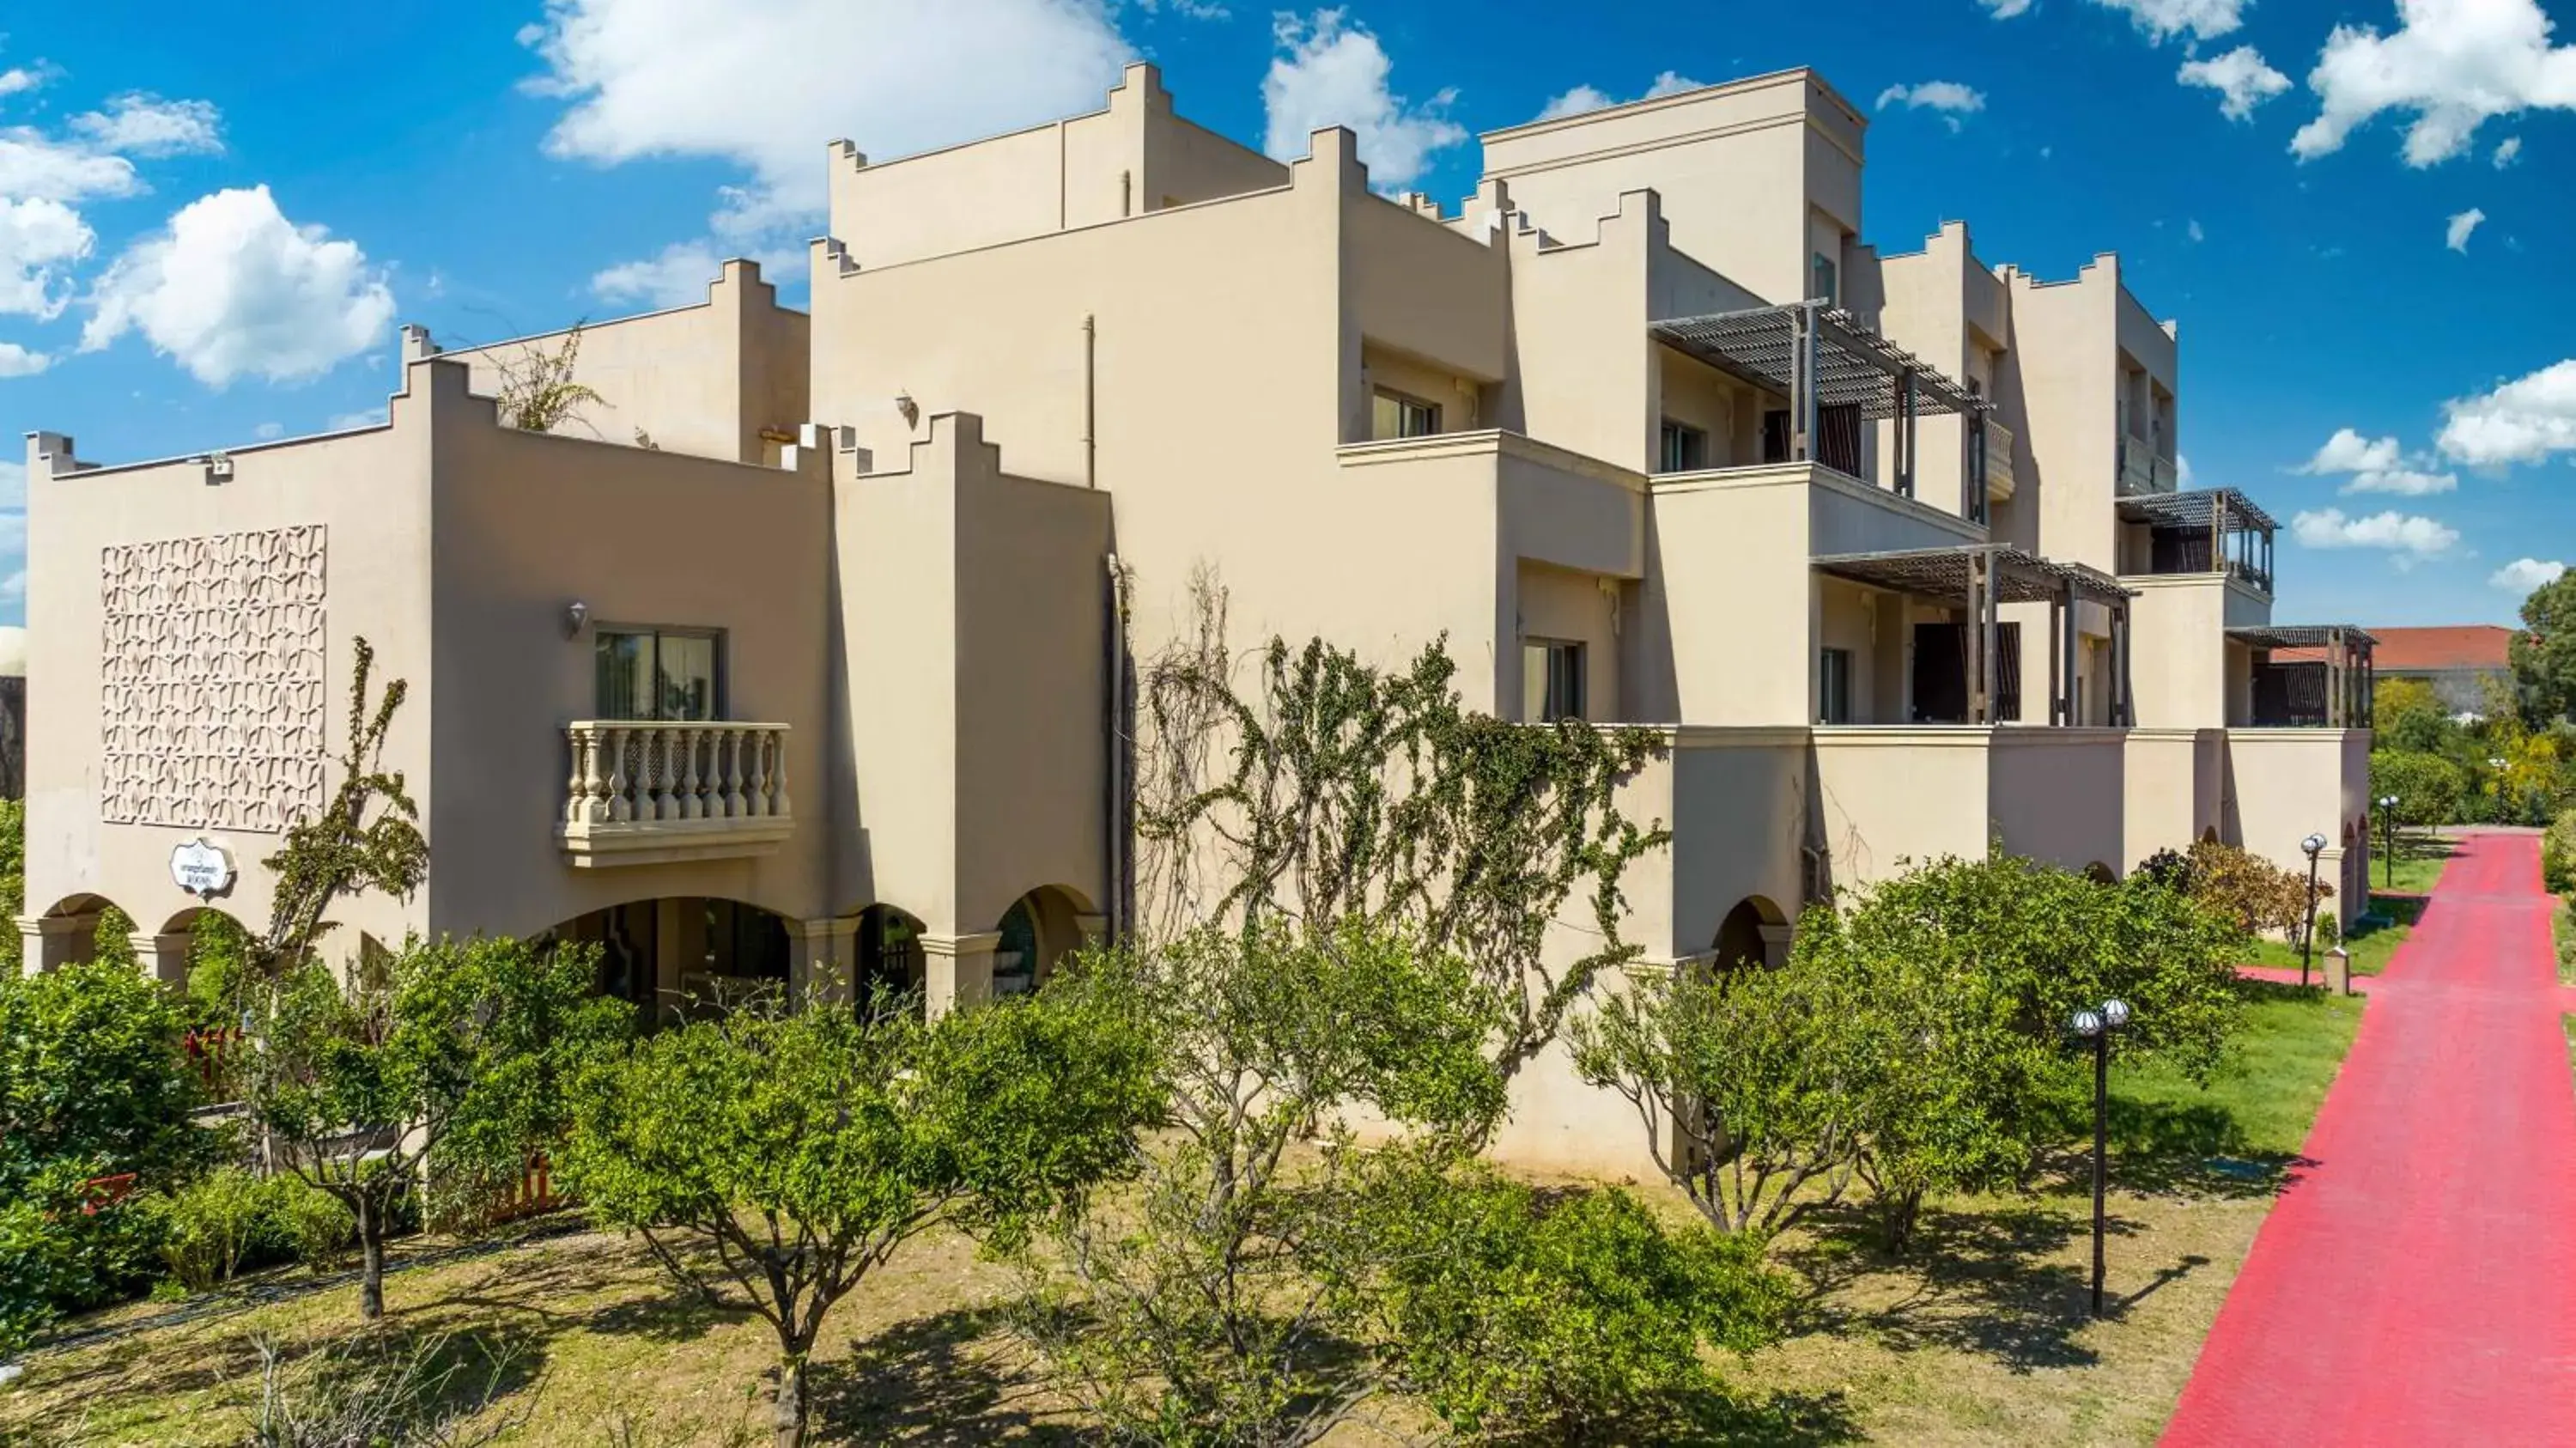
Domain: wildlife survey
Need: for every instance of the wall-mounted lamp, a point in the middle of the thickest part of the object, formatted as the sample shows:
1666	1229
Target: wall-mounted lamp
910	409
219	469
576	613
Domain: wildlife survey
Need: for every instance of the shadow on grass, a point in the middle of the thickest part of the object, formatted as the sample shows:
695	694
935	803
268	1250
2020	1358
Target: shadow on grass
1972	1281
1782	1420
925	1381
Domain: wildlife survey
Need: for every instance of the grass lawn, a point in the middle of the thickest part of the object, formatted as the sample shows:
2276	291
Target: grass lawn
1980	1335
2374	937
2418	867
1983	1336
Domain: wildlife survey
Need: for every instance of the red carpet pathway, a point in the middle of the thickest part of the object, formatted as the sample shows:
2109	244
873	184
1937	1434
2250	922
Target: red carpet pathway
2417	1285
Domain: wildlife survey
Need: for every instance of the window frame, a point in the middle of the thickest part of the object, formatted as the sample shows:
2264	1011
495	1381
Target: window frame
1404	402
1673	430
719	682
1833	693
1571	702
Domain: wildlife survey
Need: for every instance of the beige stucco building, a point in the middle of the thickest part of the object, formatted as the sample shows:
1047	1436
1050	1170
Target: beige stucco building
800	653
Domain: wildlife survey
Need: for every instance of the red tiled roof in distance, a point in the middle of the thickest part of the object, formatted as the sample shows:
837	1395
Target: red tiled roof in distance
2431	650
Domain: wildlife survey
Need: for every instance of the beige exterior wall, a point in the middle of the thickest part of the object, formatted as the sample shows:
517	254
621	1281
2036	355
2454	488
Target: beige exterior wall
2176	789
2285	784
725	379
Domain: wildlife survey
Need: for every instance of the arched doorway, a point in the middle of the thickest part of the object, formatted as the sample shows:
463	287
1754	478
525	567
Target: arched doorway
1754	933
668	954
888	944
76	930
1040	929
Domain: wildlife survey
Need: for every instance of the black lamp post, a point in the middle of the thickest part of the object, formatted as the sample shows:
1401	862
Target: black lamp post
2096	1027
2388	840
2498	766
2313	845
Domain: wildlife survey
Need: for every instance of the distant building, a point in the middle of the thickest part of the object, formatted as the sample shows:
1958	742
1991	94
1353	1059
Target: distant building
2457	660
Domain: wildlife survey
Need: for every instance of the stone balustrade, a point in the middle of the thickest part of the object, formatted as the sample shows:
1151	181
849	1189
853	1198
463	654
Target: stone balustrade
642	792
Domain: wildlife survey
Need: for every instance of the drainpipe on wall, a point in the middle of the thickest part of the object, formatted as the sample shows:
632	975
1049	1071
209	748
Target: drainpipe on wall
1117	906
1090	403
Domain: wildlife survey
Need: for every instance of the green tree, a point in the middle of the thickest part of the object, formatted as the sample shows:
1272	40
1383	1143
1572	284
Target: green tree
2544	653
13	879
799	1151
360	1080
1917	1040
2406	715
1524	1316
90	1071
2427	787
1329	790
367	837
1200	1313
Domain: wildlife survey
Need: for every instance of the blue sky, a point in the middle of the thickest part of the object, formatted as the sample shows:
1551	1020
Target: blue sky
209	227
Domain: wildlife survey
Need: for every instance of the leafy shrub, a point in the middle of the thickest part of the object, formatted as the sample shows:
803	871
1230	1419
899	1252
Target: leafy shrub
315	1227
2250	891
63	1249
90	1071
13	879
210	1227
2428	788
2169	868
2558	854
1517	1318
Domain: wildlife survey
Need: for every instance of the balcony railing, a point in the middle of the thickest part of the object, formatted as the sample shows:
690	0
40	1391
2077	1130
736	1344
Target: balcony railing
650	793
2143	470
1999	460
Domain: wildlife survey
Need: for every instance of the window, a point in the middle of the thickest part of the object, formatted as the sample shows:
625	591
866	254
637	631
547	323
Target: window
1551	681
1392	414
658	674
1828	280
1833	687
1685	447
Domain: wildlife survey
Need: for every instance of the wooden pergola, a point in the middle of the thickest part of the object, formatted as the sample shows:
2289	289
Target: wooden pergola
1819	356
2341	652
2207	530
1978	578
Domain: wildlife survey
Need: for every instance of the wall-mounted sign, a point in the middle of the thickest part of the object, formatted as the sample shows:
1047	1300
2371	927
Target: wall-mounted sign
202	869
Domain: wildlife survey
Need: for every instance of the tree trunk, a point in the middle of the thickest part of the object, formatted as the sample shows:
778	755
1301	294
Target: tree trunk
1902	1212
371	1253
787	1418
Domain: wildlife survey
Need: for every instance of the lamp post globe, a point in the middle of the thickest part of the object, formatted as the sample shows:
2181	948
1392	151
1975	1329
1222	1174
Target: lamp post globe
2115	1014
2312	846
2087	1024
2096	1027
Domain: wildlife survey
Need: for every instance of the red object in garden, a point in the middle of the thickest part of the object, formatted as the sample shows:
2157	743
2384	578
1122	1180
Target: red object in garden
2416	1282
100	1193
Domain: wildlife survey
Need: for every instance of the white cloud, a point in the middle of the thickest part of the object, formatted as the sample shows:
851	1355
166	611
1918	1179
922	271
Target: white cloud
2405	482
2196	233
2182	471
37	237
35	165
1591	98
2452	64
1326	72
2522	421
2162	20
351	421
2455	234
2006	9
267	431
2408	535
2376	465
678	277
146	125
1951	99
233	287
2349	452
17	361
13	486
2523	575
2508	151
2241	77
776	80
19	78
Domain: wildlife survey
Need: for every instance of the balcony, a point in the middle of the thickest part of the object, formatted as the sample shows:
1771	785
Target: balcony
657	794
2205	531
2143	470
1999	461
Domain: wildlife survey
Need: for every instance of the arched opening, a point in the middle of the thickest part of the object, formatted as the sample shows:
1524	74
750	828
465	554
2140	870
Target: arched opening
77	930
1754	933
888	945
2101	874
206	953
666	954
2209	836
1040	929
